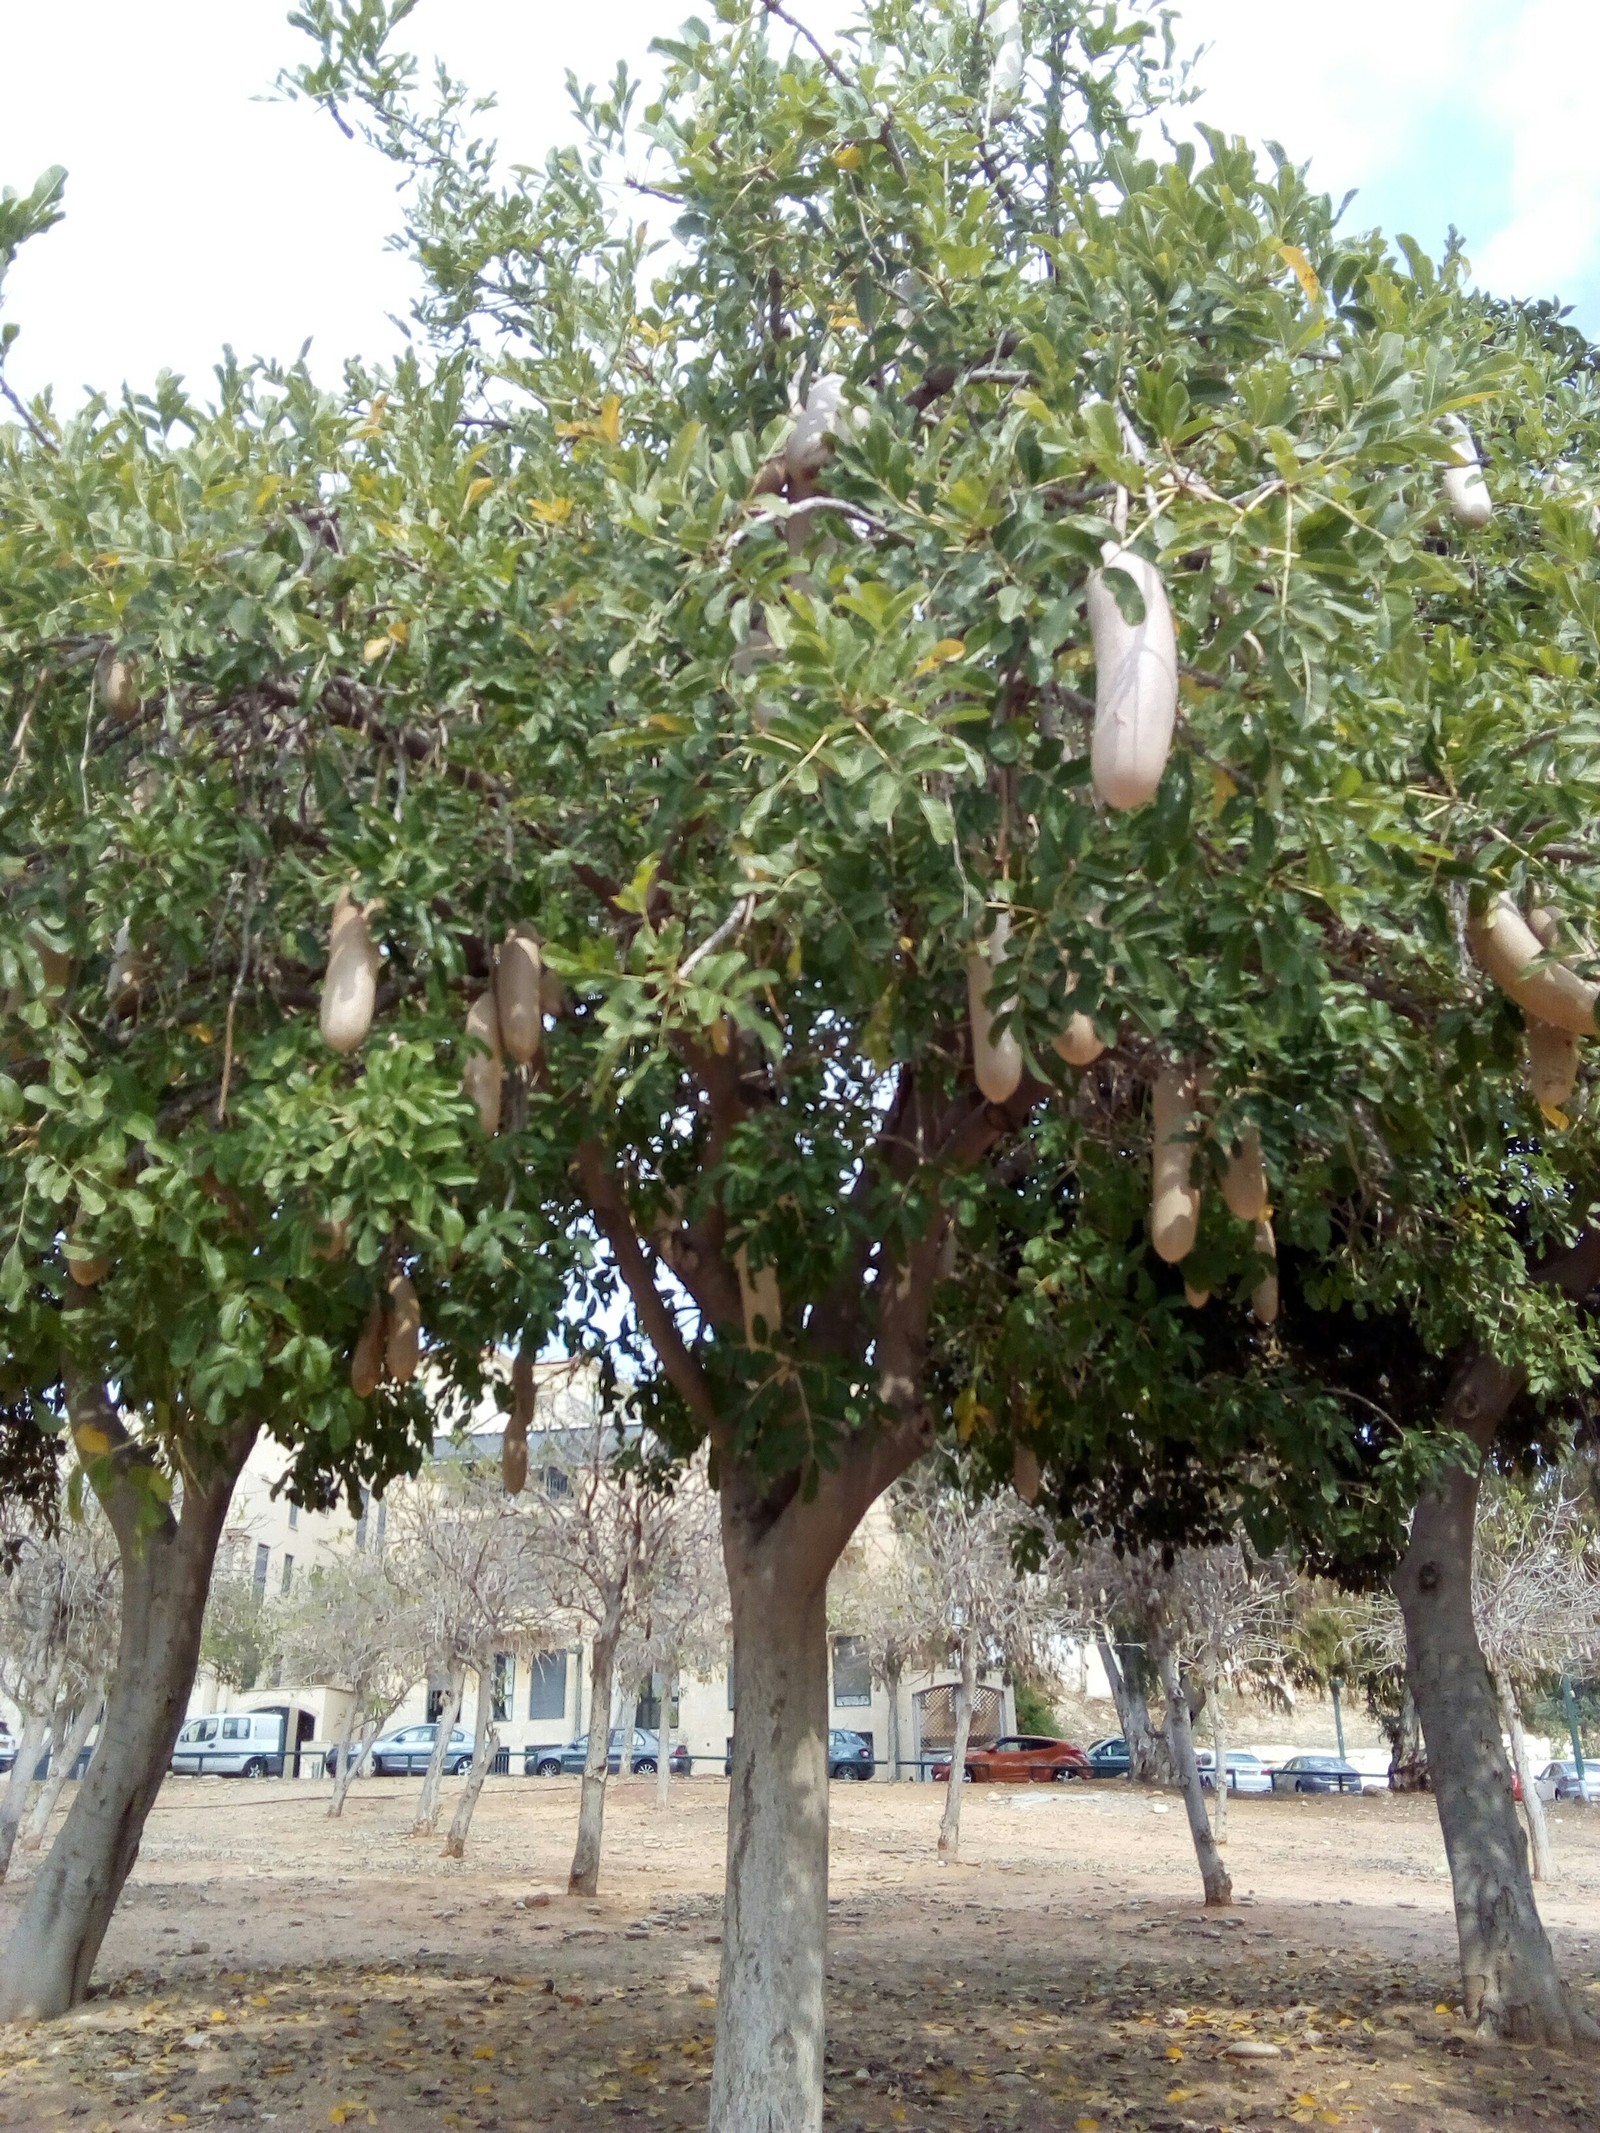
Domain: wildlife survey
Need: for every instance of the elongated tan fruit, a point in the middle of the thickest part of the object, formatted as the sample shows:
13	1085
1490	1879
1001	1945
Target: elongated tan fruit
1465	490
87	1267
120	689
482	1074
366	1363
1079	1044
350	984
519	994
1264	1296
1244	1178
996	1057
1552	1064
1506	946
514	1456
1026	1473
1135	684
401	1341
1174	1201
810	444
759	1298
1196	1299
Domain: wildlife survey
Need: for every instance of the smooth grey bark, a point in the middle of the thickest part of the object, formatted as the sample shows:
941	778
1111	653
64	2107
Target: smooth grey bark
1219	1785
1510	1984
427	1820
1522	1762
1180	1744
30	1746
584	1879
892	1678
1125	1671
664	1737
768	2072
455	1843
63	1755
166	1573
966	1691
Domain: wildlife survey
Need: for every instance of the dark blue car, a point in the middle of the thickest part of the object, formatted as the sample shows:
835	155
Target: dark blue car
1110	1758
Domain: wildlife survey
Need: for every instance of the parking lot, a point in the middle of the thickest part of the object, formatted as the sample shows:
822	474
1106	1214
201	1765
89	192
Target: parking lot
272	1968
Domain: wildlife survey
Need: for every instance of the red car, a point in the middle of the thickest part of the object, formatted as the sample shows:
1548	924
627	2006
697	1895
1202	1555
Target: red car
1021	1759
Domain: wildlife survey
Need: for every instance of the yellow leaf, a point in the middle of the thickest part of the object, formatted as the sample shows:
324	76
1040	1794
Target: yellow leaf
91	1440
796	962
475	489
1304	272
610	423
1086	2125
1179	2095
1556	1117
1443	2007
1174	2051
341	2114
218	2015
268	489
850	158
944	651
1223	787
555	512
376	647
483	2051
202	1032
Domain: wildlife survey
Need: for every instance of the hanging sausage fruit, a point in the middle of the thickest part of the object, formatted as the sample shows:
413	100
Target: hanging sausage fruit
484	1070
404	1331
519	994
366	1364
350	986
1080	1043
1135	683
1465	490
1174	1199
1505	946
1244	1178
996	1056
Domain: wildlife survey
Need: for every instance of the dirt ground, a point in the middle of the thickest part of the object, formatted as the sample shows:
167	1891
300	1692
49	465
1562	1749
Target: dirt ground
271	1968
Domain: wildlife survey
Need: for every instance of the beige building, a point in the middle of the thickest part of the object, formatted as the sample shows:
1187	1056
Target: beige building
541	1698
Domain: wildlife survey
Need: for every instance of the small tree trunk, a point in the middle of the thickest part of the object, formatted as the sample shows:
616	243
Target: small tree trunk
1522	1761
584	1879
62	1758
1148	1762
768	2072
1408	1765
664	1740
626	1716
1510	1986
892	1677
427	1820
455	1844
343	1773
1180	1745
30	1746
166	1572
1219	1787
950	1823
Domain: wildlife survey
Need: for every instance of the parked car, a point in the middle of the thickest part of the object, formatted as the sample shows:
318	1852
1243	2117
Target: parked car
231	1744
849	1756
8	1748
1109	1758
411	1749
1246	1772
1316	1773
1560	1781
1022	1759
570	1760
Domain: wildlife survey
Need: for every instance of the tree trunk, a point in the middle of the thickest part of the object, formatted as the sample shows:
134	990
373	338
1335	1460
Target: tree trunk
768	2072
950	1822
1408	1763
664	1739
166	1572
1126	1671
1522	1761
892	1678
63	1756
343	1773
1219	1785
427	1820
1510	1986
1180	1745
30	1746
455	1844
584	1879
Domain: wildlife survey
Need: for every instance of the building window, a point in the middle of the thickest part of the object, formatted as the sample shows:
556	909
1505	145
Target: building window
505	1680
547	1685
555	1482
436	1698
647	1706
852	1672
294	1518
288	1574
263	1557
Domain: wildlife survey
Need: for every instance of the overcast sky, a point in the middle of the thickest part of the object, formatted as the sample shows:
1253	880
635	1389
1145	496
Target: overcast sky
200	214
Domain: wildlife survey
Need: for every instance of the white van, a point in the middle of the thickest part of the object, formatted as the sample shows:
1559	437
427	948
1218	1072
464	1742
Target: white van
231	1744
